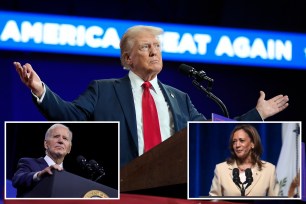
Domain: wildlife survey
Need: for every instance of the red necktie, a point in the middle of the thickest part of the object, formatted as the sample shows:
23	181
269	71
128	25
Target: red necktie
151	130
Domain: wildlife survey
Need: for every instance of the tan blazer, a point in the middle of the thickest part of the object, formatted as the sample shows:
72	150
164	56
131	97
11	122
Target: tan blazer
264	182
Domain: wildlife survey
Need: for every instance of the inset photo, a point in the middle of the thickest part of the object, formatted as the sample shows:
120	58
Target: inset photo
244	160
61	160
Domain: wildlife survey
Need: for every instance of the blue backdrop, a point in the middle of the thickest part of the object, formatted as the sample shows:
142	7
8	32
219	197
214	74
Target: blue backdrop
69	75
209	145
237	86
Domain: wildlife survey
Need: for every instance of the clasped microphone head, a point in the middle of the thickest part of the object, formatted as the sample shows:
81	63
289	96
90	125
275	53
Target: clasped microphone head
95	166
187	70
249	177
236	178
98	170
85	165
197	75
82	161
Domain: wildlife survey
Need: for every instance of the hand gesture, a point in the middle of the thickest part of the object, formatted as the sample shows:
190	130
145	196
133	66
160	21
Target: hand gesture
267	108
29	77
48	170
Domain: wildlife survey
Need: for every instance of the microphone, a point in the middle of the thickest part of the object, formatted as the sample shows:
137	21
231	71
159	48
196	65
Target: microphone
85	166
83	163
97	169
249	177
201	76
197	75
236	178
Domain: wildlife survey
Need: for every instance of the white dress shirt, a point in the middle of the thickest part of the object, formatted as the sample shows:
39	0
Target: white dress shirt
49	162
164	114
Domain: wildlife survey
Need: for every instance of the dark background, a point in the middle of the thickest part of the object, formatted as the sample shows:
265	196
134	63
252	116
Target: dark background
237	86
89	140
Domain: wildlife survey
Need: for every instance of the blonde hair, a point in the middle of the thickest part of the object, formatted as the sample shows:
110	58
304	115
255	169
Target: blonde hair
128	39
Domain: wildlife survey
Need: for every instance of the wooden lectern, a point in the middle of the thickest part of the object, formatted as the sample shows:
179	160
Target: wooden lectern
162	171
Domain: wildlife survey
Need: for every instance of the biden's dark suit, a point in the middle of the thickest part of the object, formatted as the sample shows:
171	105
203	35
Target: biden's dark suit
23	177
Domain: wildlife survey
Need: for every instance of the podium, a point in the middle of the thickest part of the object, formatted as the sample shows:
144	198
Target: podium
162	171
63	184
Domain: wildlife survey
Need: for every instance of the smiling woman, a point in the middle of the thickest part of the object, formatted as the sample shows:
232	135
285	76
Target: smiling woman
246	147
251	176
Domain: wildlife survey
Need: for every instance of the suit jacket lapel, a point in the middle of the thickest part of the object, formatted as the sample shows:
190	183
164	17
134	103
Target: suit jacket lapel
256	175
42	163
230	174
172	102
123	89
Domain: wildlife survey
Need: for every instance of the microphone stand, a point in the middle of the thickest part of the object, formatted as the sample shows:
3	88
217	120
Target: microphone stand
99	177
211	96
242	190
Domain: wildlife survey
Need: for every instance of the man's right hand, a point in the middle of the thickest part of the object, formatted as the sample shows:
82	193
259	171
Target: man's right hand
48	170
30	78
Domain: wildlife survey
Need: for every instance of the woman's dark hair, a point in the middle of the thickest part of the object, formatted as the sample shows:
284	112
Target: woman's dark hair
256	152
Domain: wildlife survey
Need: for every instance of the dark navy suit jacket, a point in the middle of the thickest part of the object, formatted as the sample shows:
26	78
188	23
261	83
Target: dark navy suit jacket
23	177
112	100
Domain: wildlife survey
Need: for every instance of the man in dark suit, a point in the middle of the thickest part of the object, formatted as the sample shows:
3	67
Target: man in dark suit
120	99
58	142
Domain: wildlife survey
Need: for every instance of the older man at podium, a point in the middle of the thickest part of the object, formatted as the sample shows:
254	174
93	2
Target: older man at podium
57	143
